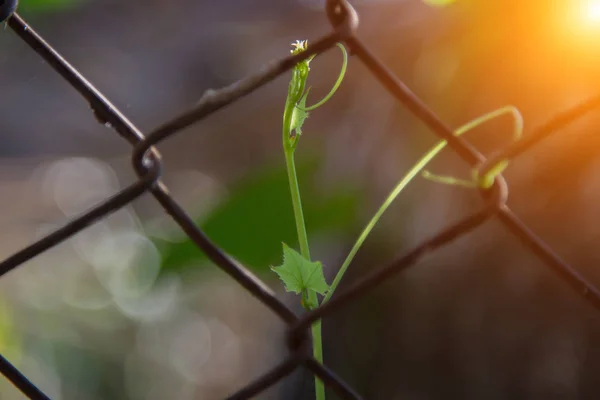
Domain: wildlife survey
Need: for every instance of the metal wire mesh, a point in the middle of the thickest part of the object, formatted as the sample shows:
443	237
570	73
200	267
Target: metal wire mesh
146	162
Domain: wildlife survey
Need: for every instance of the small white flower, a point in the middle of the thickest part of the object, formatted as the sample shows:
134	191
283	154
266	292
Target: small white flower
299	45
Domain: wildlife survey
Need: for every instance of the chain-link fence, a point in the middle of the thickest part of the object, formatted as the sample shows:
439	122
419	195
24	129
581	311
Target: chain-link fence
146	162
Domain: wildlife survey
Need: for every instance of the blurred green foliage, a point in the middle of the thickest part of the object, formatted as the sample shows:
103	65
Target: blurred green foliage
29	6
9	341
257	216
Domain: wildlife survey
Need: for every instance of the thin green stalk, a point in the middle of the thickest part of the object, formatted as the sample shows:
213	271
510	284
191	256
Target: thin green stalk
295	113
297	204
412	173
304	250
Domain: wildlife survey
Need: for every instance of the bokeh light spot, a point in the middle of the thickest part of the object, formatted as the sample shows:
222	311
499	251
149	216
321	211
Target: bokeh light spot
438	3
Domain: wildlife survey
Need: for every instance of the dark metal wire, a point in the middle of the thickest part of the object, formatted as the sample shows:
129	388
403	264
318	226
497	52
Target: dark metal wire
146	162
111	205
332	380
20	381
267	380
557	122
378	276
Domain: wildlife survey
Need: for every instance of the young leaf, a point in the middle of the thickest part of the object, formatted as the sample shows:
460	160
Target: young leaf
299	115
299	274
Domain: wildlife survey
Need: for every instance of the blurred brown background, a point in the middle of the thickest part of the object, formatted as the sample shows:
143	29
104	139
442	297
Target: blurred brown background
128	309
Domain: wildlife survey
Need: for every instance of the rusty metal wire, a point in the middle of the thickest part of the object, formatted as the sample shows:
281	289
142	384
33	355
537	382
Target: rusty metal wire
146	162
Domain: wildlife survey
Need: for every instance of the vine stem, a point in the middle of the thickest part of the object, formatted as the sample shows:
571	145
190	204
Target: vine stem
304	250
415	170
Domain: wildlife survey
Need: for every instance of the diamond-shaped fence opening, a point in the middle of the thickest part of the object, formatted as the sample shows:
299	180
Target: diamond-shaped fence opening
146	162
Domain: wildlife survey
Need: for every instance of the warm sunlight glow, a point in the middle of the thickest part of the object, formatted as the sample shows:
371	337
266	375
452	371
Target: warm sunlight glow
591	11
580	20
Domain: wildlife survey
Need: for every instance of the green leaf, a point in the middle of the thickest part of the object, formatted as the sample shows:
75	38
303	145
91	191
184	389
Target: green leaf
299	274
299	115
